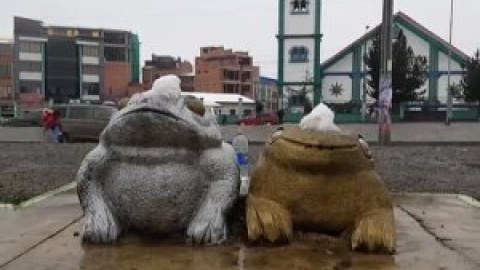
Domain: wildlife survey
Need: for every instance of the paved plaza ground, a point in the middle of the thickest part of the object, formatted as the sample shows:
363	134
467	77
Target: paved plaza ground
30	169
435	231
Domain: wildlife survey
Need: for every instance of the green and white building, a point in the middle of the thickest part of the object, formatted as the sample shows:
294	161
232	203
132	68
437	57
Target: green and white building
299	40
340	79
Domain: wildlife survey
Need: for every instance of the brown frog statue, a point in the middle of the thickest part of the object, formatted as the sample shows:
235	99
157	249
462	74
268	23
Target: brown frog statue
319	181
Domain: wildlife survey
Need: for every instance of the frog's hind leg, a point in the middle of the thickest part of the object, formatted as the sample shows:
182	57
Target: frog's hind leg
267	219
375	231
101	225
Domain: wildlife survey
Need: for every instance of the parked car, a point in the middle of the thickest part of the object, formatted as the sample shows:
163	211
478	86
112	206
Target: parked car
83	121
28	119
261	119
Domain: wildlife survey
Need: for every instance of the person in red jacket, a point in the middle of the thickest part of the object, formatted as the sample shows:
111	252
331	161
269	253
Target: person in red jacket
51	124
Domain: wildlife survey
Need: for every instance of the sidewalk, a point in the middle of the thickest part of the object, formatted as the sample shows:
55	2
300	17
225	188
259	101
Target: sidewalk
459	133
434	232
463	133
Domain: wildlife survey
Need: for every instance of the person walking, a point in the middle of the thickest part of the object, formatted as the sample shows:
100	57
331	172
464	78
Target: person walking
57	134
51	125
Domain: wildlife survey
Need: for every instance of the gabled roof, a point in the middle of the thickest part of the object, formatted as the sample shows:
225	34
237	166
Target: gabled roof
410	24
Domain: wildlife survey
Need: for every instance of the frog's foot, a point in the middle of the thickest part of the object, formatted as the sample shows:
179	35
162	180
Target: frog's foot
267	219
101	226
208	227
375	231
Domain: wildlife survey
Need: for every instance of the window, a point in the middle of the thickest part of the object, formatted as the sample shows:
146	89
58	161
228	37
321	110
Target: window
229	88
80	112
30	87
31	66
230	75
115	38
246	90
91	89
90	51
90	70
6	50
300	6
5	91
246	76
30	47
232	112
298	54
5	71
115	54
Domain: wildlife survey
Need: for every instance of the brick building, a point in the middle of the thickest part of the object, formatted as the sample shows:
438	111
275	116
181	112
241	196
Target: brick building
6	78
161	65
220	70
64	64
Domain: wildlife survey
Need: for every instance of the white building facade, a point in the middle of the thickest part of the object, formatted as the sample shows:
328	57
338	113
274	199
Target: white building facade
299	39
343	74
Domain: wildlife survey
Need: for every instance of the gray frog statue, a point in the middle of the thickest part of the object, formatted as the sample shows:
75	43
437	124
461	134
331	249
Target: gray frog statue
160	168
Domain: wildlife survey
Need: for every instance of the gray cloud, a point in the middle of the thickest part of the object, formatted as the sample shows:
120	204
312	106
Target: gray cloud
181	27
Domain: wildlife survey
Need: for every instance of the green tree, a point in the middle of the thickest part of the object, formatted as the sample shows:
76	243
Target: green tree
471	79
409	70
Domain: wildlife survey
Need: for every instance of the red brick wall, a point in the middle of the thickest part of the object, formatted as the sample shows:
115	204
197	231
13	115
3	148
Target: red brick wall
6	82
116	79
210	67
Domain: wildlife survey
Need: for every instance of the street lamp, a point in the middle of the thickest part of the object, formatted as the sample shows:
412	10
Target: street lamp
448	114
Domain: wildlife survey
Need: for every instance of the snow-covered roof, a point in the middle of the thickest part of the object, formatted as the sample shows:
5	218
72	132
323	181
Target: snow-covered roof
219	98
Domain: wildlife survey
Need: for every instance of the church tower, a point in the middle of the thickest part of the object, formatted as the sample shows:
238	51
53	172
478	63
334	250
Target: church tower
299	37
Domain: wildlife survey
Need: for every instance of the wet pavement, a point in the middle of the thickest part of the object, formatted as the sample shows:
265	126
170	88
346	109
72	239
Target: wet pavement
434	232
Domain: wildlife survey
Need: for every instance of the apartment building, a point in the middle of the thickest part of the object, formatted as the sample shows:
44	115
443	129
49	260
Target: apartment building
7	98
267	94
220	70
161	65
63	64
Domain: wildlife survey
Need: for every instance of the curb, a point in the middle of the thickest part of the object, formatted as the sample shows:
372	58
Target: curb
39	198
399	143
462	197
469	200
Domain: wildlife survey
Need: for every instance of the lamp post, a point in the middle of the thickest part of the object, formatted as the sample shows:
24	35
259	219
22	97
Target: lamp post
385	83
448	114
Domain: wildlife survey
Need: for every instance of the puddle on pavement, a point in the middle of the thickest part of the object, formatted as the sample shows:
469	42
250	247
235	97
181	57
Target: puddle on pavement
317	253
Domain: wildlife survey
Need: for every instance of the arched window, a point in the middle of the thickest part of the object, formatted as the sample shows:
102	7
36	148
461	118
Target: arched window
300	6
298	54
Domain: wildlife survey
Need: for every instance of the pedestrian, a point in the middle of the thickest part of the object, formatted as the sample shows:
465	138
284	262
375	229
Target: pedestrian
47	117
51	124
280	114
57	128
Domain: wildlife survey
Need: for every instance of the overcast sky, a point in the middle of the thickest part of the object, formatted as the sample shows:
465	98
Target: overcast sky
181	27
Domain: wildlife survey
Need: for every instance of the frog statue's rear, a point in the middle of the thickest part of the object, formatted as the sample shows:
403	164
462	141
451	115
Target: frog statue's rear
159	167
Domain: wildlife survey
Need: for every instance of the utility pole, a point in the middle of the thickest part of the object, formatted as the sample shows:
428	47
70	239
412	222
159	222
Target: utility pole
364	78
448	114
385	84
